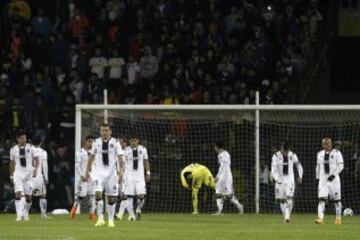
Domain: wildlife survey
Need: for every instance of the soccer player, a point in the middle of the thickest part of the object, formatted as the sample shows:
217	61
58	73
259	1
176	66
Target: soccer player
124	203
137	169
193	177
42	178
224	181
106	155
282	171
22	170
83	188
329	165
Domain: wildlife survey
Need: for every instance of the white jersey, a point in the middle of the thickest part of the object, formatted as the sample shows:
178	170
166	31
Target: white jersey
225	163
106	154
329	163
23	157
42	170
134	162
82	157
282	167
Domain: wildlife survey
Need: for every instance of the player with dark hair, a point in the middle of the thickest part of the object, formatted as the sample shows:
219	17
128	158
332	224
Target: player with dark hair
224	180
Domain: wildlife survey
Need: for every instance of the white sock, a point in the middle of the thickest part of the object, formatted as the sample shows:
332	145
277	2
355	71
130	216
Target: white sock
92	204
76	202
338	207
27	207
122	207
236	202
43	206
130	207
220	204
321	209
19	206
140	204
100	209
282	207
111	211
288	208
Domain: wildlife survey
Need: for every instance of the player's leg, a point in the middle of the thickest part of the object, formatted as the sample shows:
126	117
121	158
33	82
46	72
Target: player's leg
112	191
19	200
289	193
123	205
99	188
43	200
229	193
219	189
323	196
129	191
233	199
91	194
28	190
335	193
195	200
78	198
140	189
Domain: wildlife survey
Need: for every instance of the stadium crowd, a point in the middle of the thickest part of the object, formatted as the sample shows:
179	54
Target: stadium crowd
53	56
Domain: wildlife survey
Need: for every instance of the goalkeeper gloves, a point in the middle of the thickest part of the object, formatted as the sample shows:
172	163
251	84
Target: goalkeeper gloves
330	178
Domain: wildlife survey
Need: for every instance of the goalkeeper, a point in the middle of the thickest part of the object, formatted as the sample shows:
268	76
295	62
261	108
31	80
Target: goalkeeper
193	177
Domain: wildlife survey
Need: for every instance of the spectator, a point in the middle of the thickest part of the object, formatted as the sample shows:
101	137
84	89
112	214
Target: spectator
98	63
41	24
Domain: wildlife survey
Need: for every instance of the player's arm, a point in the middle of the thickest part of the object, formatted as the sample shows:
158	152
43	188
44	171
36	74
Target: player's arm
88	168
317	167
222	167
339	166
274	169
12	165
77	165
299	168
45	168
146	165
36	156
183	180
120	161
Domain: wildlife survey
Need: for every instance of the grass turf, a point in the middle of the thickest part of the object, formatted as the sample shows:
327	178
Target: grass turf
181	226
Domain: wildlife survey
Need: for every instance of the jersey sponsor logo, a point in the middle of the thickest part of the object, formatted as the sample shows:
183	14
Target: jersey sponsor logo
111	145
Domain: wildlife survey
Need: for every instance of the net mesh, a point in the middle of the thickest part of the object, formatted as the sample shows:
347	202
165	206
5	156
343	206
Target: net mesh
176	138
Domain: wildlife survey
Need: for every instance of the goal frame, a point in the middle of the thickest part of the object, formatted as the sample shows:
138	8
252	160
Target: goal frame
256	108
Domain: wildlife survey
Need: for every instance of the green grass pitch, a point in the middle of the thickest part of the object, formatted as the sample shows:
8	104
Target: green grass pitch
182	226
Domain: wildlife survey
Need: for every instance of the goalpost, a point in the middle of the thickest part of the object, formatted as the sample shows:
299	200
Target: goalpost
177	135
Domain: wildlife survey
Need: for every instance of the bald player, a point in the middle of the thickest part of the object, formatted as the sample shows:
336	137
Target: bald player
329	165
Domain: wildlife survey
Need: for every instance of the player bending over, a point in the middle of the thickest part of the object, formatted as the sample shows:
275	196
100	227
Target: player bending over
224	181
137	169
329	165
22	171
282	171
193	177
106	154
42	177
83	188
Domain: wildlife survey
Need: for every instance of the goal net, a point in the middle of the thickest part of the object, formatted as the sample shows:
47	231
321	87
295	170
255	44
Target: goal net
176	136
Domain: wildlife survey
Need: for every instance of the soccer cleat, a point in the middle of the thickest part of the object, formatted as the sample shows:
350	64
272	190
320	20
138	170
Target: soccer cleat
319	221
241	209
131	218
72	213
338	221
92	216
118	216
195	213
100	223
287	220
45	216
26	217
18	219
217	213
111	224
